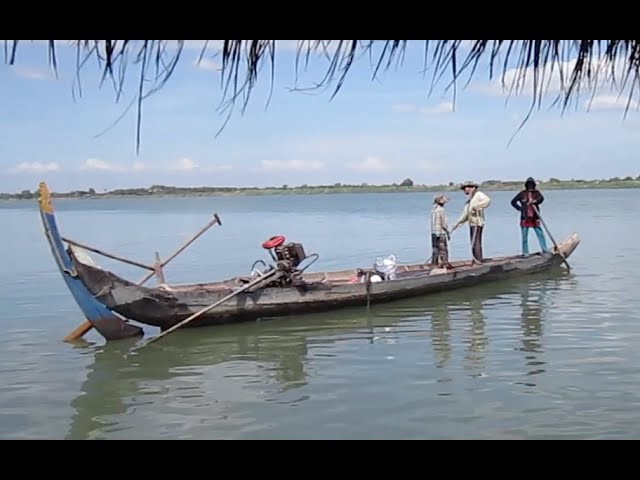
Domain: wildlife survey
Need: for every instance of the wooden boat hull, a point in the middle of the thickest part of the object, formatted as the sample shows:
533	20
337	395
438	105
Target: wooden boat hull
165	306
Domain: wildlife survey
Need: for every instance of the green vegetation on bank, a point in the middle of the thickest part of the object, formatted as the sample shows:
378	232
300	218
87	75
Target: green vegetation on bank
406	186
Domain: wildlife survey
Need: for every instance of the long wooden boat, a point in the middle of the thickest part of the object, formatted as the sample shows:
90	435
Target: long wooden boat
285	288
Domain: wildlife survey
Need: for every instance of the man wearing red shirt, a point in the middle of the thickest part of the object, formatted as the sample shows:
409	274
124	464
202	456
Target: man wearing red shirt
523	202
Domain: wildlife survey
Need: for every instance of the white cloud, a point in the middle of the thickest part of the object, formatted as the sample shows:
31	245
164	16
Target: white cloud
292	165
406	143
518	80
35	167
442	107
553	79
181	165
97	164
431	166
184	165
611	102
207	64
33	73
370	164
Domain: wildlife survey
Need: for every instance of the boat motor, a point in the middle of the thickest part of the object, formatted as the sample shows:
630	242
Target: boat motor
292	253
288	257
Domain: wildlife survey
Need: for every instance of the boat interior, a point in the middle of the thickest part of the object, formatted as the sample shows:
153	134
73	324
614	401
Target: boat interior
343	277
337	277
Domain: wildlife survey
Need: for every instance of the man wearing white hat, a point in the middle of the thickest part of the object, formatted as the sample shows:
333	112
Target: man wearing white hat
473	212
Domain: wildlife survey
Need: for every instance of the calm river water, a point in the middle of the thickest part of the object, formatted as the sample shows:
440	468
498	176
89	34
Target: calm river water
556	355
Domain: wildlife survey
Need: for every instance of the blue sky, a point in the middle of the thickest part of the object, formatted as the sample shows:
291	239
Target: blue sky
380	131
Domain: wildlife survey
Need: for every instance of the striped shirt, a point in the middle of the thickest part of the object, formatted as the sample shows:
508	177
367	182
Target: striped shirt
438	220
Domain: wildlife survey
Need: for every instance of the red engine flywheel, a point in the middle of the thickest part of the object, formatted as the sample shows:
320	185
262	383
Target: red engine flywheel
273	242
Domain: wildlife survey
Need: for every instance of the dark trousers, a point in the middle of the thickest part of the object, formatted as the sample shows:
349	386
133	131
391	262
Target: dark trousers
440	250
475	234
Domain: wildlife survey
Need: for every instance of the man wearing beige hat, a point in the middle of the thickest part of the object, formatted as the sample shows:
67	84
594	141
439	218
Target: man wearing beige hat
473	212
440	233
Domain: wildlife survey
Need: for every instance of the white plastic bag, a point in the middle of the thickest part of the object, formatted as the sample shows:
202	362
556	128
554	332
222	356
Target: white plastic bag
387	266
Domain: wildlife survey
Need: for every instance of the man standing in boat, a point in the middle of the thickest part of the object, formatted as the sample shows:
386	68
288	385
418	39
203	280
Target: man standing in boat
524	202
473	212
440	235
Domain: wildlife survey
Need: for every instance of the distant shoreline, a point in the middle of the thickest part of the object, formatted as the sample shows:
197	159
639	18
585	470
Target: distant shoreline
160	191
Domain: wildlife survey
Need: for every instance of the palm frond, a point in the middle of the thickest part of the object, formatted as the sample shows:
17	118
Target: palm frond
538	60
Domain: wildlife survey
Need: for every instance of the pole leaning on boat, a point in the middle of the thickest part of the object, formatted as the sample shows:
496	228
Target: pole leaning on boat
271	275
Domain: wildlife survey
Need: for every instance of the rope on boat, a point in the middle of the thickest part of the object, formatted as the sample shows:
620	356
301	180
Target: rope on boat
368	288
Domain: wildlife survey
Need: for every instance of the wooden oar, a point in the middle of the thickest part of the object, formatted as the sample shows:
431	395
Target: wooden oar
551	237
249	285
82	329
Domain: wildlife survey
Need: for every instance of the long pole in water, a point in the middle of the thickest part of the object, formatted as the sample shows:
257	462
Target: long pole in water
475	230
210	307
551	237
85	327
474	237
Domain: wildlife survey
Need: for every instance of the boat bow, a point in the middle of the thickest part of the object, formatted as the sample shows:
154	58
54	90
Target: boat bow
106	322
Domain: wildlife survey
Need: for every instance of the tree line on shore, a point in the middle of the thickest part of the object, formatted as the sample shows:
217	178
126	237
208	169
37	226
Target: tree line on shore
406	185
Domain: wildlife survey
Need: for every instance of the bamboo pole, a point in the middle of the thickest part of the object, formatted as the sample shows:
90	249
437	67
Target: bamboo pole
268	275
109	255
78	332
85	327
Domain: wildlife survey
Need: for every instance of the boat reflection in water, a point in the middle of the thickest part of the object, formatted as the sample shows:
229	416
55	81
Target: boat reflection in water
213	382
